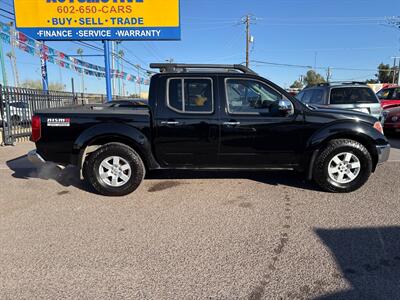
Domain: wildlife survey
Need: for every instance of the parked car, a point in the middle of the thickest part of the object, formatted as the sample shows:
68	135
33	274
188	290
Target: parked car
353	95
210	117
389	97
392	122
20	113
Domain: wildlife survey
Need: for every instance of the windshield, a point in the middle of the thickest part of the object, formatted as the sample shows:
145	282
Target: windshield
352	95
389	94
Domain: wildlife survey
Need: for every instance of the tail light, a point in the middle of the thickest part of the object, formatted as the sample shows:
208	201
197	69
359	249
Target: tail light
378	126
36	129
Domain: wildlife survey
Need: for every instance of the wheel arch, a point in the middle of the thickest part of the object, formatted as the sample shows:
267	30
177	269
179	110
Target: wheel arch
362	133
96	136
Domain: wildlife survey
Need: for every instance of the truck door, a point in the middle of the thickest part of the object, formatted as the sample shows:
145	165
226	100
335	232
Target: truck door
260	128
186	133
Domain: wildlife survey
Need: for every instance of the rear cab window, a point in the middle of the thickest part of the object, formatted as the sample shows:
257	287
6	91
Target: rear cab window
352	95
190	95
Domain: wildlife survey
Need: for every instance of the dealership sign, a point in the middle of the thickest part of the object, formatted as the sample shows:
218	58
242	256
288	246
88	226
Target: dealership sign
98	19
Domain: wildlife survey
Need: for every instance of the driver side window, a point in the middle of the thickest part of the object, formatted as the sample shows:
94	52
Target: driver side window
251	97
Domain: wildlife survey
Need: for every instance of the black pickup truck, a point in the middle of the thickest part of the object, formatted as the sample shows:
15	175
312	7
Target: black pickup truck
209	117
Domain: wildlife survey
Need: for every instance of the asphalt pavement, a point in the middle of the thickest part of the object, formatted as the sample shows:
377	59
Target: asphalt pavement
197	235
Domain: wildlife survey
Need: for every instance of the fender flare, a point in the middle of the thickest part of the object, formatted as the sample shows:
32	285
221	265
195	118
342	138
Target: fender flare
132	136
359	131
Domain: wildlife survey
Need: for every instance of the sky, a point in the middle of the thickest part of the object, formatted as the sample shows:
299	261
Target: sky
349	36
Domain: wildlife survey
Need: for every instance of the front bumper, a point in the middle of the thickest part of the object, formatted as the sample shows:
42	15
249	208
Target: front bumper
383	153
35	158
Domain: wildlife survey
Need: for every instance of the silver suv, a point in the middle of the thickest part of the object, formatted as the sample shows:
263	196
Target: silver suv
354	95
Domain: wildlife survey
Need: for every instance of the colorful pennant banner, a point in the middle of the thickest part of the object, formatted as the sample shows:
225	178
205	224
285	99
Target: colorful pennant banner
35	48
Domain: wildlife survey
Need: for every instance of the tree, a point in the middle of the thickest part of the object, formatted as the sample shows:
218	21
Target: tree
37	84
297	85
313	78
386	73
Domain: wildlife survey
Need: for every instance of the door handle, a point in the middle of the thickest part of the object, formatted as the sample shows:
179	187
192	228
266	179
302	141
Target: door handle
169	122
231	123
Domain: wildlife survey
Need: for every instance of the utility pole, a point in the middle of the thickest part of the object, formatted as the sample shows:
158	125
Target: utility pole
249	39
396	70
398	73
315	60
395	23
328	74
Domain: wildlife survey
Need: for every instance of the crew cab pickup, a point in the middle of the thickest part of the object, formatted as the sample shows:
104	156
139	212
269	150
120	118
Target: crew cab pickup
210	117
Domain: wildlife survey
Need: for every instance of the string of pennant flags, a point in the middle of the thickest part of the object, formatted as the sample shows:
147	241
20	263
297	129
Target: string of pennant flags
36	48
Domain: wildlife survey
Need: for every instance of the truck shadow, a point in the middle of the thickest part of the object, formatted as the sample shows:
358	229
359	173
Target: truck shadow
287	178
69	176
369	259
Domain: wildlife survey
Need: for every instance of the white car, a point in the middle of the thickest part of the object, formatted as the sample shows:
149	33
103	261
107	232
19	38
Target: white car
20	113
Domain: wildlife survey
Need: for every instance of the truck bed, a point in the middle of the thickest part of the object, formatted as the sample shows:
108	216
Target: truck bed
57	140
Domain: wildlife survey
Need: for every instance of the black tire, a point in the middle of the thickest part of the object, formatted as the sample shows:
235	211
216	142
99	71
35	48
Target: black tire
15	120
320	172
92	164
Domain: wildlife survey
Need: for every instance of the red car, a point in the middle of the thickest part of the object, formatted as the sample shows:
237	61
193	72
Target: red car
389	97
392	120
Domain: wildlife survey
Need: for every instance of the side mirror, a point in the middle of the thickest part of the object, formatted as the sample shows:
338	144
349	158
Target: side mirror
285	107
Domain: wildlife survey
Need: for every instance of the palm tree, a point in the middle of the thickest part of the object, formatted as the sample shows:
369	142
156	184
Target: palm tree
79	51
10	55
120	56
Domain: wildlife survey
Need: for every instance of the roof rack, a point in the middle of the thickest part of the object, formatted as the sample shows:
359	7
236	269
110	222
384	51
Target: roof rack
179	68
349	82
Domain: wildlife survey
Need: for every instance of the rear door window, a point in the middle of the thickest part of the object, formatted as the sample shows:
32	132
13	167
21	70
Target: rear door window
190	95
352	95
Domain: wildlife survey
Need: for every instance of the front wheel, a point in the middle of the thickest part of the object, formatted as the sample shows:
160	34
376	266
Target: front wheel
343	166
114	170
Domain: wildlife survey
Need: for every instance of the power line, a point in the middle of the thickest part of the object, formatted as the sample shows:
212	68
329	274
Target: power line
7	11
281	65
116	54
7	17
320	68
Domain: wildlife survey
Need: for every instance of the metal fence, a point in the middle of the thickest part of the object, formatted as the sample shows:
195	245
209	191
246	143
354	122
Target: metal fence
18	104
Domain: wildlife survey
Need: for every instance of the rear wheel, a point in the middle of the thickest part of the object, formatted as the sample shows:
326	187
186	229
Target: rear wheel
114	170
343	166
